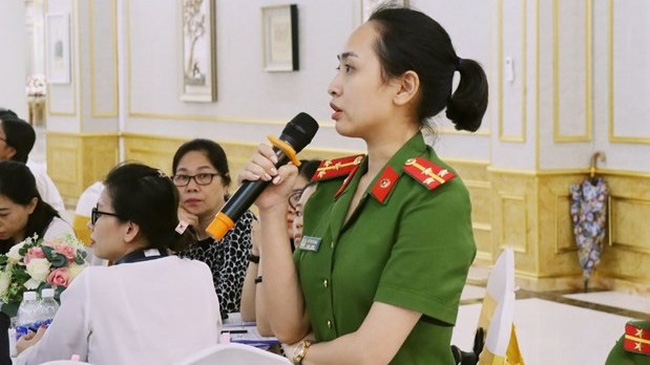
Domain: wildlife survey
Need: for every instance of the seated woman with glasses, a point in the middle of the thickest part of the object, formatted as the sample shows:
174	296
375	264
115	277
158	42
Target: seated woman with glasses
249	303
202	178
253	296
141	310
23	214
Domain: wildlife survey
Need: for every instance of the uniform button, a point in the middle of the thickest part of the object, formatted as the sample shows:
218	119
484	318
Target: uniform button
332	244
325	283
329	324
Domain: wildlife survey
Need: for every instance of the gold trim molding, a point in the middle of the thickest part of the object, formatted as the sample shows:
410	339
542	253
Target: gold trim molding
557	136
524	58
73	53
93	102
610	78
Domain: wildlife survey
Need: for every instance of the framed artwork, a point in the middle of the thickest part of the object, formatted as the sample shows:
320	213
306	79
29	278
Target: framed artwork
199	51
57	48
280	37
367	6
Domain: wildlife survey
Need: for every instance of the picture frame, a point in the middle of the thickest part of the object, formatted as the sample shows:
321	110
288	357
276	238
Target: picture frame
280	38
368	6
199	63
57	48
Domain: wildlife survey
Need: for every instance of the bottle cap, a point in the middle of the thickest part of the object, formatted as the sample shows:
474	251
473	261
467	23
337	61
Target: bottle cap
47	293
29	295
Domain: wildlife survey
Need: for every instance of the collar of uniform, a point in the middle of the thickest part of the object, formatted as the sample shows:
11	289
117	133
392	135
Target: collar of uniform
382	185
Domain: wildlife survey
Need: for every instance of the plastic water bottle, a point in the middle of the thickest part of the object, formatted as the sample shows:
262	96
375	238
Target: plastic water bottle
48	306
28	314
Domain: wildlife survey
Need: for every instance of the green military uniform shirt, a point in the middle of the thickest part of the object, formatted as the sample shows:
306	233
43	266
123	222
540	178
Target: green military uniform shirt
411	248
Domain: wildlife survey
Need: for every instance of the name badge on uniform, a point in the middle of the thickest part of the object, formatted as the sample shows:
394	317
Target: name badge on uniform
309	243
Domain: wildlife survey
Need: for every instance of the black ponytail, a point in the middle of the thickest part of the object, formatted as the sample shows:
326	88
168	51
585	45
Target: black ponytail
469	102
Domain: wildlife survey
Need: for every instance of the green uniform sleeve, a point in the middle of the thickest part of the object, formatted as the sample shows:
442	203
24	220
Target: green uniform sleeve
431	257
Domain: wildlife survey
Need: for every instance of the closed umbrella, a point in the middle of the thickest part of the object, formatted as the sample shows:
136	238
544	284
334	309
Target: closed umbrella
589	215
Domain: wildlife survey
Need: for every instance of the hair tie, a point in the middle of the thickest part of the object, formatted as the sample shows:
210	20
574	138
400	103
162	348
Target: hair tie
458	61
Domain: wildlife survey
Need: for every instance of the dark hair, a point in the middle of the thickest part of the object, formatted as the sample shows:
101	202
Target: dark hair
308	168
148	198
411	40
18	184
20	134
212	151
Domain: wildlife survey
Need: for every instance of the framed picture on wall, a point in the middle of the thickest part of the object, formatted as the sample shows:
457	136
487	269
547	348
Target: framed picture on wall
280	36
57	48
367	6
199	74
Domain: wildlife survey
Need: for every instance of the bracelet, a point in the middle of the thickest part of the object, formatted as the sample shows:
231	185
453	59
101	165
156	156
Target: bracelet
258	279
253	258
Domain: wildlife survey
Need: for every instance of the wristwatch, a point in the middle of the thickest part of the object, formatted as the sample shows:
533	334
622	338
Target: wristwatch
300	351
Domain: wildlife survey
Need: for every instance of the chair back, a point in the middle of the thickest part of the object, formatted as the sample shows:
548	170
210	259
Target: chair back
497	314
234	354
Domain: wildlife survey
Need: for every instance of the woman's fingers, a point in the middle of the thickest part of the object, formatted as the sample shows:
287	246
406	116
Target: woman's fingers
285	172
267	151
261	166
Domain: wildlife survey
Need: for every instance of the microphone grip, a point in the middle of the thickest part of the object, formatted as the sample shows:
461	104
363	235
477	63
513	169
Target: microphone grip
239	202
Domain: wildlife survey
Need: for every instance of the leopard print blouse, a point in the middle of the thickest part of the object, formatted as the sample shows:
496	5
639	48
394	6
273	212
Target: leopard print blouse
228	260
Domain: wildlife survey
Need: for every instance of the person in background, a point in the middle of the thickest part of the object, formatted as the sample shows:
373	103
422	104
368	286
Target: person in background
249	301
22	214
390	234
141	309
306	170
202	177
22	211
17	139
299	208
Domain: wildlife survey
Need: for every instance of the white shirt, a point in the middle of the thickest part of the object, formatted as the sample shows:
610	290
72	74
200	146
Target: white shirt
46	187
58	228
151	312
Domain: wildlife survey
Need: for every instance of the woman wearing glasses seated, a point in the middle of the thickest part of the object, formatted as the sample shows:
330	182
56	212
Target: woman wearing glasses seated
22	214
202	178
139	310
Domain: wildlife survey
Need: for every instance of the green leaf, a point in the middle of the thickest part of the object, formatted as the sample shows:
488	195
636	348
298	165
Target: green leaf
47	250
10	309
57	260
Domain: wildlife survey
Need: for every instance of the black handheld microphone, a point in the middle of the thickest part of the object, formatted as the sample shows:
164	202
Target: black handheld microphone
297	134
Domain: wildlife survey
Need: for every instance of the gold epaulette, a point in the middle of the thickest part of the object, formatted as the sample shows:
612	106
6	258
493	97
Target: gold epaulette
427	173
330	169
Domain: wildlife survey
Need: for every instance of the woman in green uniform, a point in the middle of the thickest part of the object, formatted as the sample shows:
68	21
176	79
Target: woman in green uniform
387	237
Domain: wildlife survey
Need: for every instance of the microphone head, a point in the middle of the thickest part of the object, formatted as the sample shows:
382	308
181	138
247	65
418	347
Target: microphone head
299	131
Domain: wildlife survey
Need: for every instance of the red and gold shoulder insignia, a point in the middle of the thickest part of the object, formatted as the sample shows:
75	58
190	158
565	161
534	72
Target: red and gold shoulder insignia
330	169
637	339
427	173
384	184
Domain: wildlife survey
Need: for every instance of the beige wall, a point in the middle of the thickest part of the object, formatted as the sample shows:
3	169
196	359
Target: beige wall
12	65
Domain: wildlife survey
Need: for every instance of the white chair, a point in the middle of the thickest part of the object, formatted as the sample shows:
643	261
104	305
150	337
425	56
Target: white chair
234	354
497	314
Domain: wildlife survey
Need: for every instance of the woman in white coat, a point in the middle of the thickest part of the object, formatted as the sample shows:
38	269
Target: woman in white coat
140	310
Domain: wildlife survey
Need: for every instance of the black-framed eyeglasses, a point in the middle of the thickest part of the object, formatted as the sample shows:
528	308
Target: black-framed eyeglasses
96	213
204	178
294	198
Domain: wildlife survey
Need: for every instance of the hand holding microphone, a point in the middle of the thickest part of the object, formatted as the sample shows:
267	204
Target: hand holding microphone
297	134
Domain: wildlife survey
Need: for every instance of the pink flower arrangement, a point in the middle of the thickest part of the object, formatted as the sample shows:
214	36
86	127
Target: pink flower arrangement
34	264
